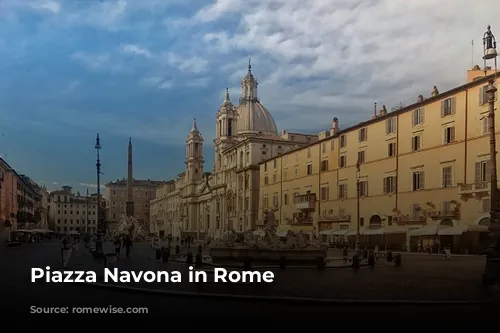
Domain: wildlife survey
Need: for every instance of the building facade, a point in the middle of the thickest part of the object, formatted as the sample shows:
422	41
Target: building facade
70	212
20	200
143	191
199	203
424	164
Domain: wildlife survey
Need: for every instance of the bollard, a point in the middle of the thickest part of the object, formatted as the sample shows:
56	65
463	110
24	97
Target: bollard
189	258
389	255
158	254
199	260
371	259
397	260
247	264
320	263
177	249
282	262
200	249
355	261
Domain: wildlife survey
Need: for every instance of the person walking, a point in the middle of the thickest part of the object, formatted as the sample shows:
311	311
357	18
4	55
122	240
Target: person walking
127	244
118	244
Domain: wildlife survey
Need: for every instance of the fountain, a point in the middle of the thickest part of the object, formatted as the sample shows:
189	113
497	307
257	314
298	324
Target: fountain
269	247
128	226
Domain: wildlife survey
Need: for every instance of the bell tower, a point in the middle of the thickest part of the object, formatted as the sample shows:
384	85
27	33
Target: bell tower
194	154
225	135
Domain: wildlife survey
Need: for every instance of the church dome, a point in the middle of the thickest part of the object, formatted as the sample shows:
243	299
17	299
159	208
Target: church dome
253	117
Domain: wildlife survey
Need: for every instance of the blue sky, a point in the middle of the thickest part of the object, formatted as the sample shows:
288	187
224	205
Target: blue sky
145	68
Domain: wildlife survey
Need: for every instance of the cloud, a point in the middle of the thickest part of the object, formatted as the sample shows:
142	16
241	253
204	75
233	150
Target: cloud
193	64
134	49
102	62
55	183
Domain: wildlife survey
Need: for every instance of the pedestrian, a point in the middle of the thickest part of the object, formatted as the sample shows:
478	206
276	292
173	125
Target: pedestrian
118	244
127	244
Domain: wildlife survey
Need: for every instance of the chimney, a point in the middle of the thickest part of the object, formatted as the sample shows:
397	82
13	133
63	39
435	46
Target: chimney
335	126
375	110
383	111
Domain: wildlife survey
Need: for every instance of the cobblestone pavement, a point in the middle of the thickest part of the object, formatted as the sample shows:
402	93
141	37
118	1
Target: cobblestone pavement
421	278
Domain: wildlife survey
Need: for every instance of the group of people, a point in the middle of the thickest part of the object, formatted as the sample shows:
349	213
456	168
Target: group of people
125	242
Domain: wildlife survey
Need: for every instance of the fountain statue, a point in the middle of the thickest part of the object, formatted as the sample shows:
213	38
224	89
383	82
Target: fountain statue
268	245
128	226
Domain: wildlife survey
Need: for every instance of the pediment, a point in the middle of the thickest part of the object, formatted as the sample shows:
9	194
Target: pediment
204	189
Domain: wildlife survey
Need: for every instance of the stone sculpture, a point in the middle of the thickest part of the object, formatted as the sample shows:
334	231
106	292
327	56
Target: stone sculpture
128	226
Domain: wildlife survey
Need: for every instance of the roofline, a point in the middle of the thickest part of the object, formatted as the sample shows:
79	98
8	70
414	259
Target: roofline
407	108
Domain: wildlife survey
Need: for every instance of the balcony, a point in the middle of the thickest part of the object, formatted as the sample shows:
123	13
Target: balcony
450	214
475	189
334	218
409	219
305	201
301	219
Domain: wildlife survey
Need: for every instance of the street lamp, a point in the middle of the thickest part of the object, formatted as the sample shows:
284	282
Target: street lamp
357	205
492	269
100	228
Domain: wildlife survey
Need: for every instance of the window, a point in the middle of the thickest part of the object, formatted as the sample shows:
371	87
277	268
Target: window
229	127
323	147
449	135
342	191
391	149
415	212
390	125
332	145
265	202
362	134
482	171
265	166
342	161
390	184
274	179
274	164
363	188
483	96
296	172
448	107
361	156
308	152
285	174
446	207
266	180
343	141
416	142
275	200
324	193
324	165
418	180
447	180
486	121
417	117
285	199
309	169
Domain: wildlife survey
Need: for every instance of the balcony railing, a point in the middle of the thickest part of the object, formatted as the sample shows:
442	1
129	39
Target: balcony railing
444	214
409	219
473	188
302	220
305	201
334	218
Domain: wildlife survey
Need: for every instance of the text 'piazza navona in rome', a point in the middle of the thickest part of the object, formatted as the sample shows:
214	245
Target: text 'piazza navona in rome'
416	170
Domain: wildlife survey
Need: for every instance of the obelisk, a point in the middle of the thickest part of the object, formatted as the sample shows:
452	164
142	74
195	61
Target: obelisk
129	208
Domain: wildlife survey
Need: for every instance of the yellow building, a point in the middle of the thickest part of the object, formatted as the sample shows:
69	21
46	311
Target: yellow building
420	166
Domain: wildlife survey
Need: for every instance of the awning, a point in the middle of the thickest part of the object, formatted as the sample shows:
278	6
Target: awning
351	233
451	231
426	231
330	232
384	231
478	228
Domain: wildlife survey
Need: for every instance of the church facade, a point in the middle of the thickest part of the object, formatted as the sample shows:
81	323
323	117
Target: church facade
204	204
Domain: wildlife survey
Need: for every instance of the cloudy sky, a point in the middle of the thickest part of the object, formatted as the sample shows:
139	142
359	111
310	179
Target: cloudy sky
145	68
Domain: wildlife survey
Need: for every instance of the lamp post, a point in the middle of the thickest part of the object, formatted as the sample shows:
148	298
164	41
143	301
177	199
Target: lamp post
100	228
357	205
492	270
